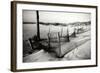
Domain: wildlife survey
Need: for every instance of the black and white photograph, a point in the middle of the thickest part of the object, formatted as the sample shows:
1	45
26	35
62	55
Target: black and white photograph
53	36
56	36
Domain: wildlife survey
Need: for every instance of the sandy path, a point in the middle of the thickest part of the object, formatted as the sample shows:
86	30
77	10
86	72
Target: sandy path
79	48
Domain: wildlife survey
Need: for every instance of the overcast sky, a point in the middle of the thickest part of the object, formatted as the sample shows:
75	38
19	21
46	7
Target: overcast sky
59	17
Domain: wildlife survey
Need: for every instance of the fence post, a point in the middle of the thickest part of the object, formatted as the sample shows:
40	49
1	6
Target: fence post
49	40
67	37
38	28
74	32
59	45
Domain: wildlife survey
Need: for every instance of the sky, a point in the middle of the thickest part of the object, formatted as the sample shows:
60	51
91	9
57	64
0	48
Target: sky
55	17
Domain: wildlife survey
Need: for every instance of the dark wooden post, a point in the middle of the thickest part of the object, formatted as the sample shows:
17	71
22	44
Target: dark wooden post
68	36
38	28
59	45
74	32
49	40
